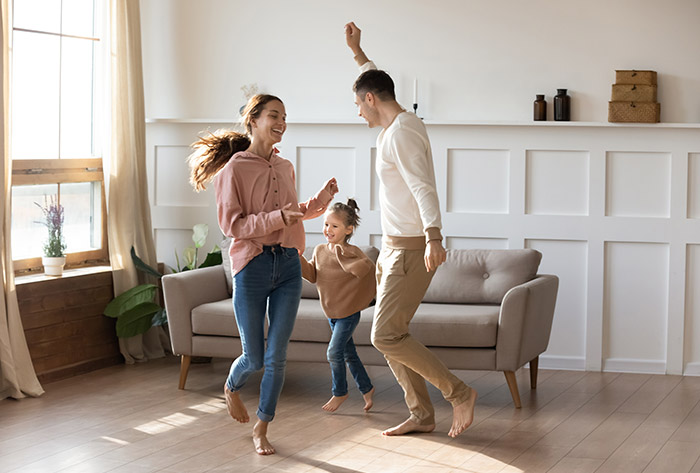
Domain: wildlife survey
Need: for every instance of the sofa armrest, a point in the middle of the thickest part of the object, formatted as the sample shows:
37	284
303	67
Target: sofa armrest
525	322
183	292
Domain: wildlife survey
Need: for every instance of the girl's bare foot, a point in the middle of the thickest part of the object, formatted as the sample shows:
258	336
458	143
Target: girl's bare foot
407	427
368	399
262	446
235	406
463	415
334	403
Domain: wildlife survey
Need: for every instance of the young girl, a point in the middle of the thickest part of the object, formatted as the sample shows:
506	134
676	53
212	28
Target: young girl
257	206
344	277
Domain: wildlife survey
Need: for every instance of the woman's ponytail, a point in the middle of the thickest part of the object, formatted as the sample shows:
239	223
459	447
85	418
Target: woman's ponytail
211	153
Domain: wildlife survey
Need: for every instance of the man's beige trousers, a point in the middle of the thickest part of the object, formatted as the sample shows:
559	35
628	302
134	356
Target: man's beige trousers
402	282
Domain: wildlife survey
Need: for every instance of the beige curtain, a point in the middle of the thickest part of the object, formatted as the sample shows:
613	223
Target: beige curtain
128	204
17	376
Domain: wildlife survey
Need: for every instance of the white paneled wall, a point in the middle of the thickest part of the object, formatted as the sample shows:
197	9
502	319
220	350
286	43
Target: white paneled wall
557	182
477	181
638	184
692	313
635	306
615	211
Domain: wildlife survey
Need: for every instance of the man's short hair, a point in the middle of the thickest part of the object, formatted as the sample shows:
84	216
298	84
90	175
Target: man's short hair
375	81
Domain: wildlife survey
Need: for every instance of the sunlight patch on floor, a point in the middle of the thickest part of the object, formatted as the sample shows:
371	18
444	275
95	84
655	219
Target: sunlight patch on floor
209	407
166	423
113	440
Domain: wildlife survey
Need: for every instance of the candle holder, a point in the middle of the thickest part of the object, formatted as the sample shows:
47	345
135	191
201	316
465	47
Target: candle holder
415	108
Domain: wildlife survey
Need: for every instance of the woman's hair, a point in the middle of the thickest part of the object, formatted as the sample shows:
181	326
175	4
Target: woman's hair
212	152
349	214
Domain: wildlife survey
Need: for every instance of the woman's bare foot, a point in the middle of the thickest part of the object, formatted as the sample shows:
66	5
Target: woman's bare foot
407	427
262	446
368	399
463	415
235	406
334	403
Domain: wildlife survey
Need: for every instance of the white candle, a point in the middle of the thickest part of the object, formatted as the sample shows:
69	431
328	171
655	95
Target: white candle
415	90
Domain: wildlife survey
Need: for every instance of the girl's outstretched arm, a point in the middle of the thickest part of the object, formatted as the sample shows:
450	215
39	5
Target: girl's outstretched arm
318	204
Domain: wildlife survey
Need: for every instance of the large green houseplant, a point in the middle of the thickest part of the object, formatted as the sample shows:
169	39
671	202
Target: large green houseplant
136	310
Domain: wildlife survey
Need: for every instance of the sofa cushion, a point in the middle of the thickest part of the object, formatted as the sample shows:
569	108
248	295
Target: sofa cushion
481	276
456	325
438	325
444	325
214	318
311	324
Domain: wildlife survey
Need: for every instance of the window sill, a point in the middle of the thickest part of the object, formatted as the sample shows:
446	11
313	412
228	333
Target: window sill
67	273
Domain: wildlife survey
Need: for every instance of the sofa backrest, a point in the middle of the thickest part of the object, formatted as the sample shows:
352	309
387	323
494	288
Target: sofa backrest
481	276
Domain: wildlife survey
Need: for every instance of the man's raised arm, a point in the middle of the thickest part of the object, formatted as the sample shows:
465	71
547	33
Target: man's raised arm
352	38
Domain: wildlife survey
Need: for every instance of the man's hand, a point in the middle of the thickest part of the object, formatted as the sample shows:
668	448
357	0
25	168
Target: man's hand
352	37
435	255
290	217
331	186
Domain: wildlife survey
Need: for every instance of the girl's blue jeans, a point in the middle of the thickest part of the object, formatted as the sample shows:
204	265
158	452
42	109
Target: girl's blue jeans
341	350
270	283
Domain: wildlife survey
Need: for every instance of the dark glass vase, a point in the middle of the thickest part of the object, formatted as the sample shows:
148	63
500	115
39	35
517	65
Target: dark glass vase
562	106
540	108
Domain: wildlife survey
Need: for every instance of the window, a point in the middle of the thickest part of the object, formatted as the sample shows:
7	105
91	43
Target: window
56	144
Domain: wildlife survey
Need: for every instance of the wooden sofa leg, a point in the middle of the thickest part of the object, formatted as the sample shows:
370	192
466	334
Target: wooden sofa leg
184	369
534	364
513	386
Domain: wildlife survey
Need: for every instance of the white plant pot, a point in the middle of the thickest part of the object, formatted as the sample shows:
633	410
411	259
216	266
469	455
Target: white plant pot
53	266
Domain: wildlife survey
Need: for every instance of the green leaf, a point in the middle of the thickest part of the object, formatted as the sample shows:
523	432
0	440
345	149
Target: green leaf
199	234
141	266
160	318
190	254
132	298
213	258
137	320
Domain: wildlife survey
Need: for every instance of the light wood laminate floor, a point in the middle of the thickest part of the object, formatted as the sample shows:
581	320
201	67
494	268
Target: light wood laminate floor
134	419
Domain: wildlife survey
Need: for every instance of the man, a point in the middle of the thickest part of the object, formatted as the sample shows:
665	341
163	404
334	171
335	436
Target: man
411	248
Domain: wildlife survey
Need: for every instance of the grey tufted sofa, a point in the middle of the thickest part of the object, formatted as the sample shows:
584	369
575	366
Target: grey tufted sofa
484	310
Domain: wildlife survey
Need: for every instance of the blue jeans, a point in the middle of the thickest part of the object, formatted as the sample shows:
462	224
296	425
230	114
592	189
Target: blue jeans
270	283
341	350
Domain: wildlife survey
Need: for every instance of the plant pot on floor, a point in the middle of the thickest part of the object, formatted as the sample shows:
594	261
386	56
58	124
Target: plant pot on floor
53	265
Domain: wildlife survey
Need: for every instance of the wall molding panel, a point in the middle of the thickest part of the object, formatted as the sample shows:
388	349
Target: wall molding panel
614	209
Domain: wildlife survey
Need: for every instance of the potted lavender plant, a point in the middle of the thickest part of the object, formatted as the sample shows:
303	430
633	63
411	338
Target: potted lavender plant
54	259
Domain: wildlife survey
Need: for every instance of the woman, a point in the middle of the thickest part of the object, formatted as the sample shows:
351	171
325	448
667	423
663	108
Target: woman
258	208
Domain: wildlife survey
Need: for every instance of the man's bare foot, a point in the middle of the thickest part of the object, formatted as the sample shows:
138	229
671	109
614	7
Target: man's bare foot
334	403
407	427
235	406
368	399
262	446
463	415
